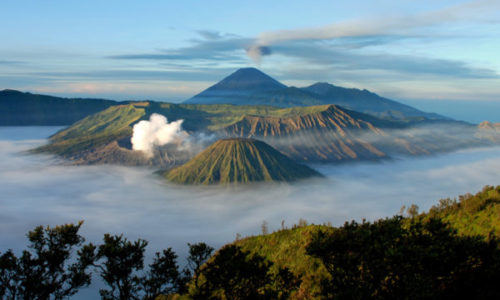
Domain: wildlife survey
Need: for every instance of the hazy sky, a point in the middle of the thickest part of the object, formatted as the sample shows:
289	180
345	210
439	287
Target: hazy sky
170	50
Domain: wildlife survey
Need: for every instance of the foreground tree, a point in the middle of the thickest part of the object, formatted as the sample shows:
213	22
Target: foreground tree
234	274
163	277
401	258
45	271
119	261
198	255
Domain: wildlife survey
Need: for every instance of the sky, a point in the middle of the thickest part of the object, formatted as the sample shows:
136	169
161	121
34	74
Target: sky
171	50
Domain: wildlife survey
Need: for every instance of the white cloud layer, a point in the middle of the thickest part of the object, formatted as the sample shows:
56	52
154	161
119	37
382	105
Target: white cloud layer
35	190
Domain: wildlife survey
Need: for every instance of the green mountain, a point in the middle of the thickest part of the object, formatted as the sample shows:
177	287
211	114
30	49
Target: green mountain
18	109
239	161
315	133
325	133
250	86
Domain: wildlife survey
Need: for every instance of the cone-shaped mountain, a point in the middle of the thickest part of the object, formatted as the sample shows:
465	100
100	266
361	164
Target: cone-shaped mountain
239	160
247	79
236	87
249	86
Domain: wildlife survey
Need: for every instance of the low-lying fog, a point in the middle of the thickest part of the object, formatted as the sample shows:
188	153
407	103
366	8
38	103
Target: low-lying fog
36	189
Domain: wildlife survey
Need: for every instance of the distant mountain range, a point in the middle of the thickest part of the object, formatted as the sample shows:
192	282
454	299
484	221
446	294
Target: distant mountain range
372	129
19	109
247	86
231	161
250	86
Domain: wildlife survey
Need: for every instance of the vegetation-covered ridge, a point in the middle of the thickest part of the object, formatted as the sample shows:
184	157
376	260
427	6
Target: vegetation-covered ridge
477	214
420	256
239	160
26	109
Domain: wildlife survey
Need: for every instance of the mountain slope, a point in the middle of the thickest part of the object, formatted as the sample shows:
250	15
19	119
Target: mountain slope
477	214
238	86
472	216
19	109
327	134
366	102
239	161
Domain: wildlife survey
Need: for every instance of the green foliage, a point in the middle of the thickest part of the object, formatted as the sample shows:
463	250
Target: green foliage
234	274
394	259
163	276
472	214
287	249
121	260
48	270
238	161
198	255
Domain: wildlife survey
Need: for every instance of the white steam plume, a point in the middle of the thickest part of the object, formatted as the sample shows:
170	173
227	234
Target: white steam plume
156	132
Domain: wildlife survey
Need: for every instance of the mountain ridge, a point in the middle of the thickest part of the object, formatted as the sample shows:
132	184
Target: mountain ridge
23	108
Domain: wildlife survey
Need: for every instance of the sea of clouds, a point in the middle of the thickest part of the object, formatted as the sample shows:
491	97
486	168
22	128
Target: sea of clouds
37	189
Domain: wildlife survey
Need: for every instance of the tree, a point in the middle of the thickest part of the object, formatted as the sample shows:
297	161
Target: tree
401	258
234	274
163	276
44	272
198	255
121	259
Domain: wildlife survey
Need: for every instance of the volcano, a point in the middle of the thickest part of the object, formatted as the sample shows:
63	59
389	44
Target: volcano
239	160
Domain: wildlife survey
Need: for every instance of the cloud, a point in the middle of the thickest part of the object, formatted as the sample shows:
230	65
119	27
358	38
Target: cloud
211	46
192	74
339	59
387	25
111	199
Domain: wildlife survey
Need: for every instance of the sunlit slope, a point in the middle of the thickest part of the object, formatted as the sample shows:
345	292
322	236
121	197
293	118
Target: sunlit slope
325	133
471	215
96	130
287	248
239	161
477	214
96	138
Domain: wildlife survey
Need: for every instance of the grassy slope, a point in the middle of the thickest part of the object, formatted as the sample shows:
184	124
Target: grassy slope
238	161
98	129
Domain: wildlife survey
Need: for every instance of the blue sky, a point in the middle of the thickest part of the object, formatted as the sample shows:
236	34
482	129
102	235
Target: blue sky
170	50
